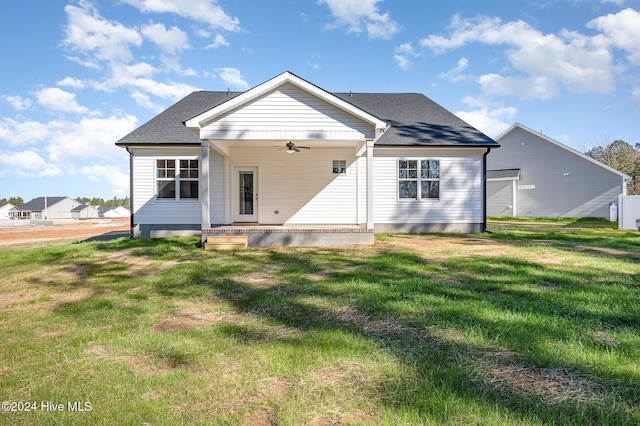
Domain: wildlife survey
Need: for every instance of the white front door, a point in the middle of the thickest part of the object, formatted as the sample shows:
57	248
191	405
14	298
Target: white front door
245	194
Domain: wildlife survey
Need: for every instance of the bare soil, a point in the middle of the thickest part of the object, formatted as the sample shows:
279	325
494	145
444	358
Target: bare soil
60	233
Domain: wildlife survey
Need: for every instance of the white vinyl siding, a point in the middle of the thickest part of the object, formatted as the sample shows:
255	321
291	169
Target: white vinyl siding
500	195
149	210
460	188
288	113
566	184
301	187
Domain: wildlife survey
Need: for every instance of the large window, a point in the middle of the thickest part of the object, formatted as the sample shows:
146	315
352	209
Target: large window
418	179
176	179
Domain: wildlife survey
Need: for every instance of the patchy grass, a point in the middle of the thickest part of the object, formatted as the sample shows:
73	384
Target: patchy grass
521	326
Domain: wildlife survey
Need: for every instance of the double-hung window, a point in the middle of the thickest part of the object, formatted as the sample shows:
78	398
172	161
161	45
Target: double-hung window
418	179
176	179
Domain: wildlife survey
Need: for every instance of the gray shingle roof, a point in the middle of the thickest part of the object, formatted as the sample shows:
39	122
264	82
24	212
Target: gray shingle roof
503	174
37	204
414	120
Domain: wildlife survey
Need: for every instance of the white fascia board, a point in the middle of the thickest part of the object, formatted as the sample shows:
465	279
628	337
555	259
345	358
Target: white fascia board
563	146
286	77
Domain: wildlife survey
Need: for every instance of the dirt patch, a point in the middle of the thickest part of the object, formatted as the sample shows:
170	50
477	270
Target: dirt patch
69	231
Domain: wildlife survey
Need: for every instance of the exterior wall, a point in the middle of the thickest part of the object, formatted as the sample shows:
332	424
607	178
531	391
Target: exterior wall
146	208
60	210
460	206
4	211
117	212
565	183
301	187
285	114
500	198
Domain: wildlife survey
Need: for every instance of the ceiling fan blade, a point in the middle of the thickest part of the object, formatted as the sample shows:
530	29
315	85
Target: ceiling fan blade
303	147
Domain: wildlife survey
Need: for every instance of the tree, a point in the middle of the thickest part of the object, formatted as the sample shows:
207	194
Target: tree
16	201
623	157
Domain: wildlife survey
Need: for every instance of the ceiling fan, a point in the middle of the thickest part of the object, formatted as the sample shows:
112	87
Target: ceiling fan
291	147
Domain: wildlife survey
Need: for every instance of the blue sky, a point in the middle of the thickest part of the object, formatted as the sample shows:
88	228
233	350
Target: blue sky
78	75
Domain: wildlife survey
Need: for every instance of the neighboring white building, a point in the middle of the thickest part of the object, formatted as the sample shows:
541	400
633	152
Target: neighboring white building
48	208
85	211
287	154
5	210
536	176
114	212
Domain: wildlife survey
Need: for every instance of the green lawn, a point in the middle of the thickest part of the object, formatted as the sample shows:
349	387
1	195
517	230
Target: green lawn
525	325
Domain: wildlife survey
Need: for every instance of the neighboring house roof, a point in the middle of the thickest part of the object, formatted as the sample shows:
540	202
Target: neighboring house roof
507	174
84	206
412	119
565	147
37	204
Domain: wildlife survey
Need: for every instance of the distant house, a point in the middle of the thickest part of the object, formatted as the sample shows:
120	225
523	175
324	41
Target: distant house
118	211
85	211
48	208
534	175
5	211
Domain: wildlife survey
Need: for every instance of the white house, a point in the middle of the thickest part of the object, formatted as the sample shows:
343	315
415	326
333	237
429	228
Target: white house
48	208
85	211
4	211
118	211
534	175
303	166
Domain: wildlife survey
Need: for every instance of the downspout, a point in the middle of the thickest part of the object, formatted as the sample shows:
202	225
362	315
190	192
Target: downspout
484	190
130	191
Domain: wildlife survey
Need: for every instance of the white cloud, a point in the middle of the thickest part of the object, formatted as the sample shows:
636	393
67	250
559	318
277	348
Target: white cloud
218	41
492	122
540	87
170	41
233	78
454	75
118	180
26	164
71	82
87	138
362	15
204	11
635	95
403	55
622	30
59	100
576	62
18	102
98	39
16	133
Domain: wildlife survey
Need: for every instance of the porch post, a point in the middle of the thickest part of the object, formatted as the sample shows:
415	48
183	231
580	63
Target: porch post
370	185
204	188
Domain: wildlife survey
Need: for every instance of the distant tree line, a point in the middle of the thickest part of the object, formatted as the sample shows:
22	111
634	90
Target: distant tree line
95	201
623	157
114	202
16	201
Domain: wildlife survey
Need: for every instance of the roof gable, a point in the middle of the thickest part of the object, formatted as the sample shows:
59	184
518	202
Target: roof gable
270	86
518	126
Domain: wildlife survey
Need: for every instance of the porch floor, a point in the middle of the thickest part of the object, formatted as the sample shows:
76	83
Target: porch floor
294	235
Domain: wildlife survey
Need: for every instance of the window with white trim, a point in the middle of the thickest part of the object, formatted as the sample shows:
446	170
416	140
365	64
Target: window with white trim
176	179
418	179
339	166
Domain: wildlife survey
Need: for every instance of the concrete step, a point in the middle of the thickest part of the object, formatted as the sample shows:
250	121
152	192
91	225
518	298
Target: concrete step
226	242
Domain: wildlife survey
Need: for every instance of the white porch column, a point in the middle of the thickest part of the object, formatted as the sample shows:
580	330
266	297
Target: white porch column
204	194
370	185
